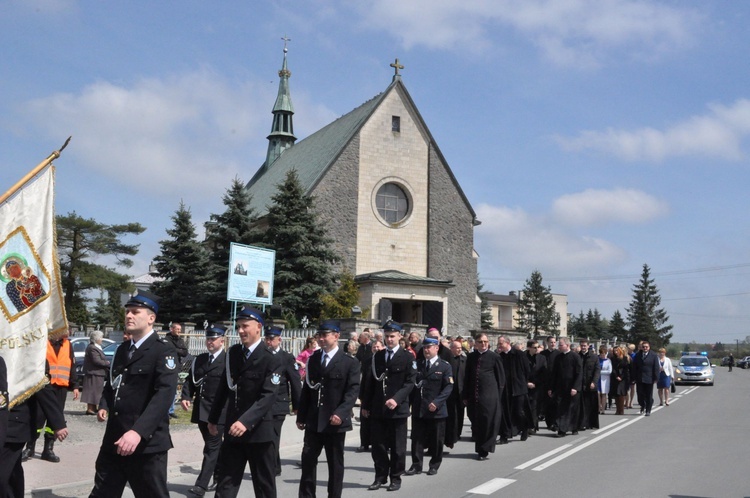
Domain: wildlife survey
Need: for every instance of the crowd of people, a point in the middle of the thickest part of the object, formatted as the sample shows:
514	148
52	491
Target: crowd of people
240	396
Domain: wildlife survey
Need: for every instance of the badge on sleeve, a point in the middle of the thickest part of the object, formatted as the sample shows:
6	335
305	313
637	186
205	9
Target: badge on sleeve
276	379
414	364
170	363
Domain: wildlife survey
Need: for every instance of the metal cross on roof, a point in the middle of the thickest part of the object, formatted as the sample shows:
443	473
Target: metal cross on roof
286	39
396	66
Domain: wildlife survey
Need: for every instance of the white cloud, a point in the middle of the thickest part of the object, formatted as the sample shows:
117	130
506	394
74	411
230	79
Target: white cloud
188	134
597	207
568	32
512	238
719	133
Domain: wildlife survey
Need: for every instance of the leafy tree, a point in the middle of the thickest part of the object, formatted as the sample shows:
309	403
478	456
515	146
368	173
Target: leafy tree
485	309
617	326
80	240
304	256
235	224
536	308
339	304
183	264
646	319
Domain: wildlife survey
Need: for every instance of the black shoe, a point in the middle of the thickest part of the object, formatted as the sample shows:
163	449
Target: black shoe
197	491
26	454
560	434
482	457
375	486
278	472
503	440
50	456
212	486
395	486
575	433
362	449
413	471
172	415
648	414
525	435
642	410
432	472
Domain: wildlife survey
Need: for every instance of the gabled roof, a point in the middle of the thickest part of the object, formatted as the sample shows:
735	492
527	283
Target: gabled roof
314	155
399	277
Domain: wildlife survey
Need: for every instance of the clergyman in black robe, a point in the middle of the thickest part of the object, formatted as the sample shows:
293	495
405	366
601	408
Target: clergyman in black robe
564	390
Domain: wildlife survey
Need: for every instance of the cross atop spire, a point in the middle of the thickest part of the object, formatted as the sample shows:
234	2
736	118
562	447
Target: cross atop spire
286	39
396	66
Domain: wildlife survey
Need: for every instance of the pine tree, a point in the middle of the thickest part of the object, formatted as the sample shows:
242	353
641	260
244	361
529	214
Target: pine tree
617	326
183	264
485	317
303	272
536	308
235	224
109	310
646	319
578	327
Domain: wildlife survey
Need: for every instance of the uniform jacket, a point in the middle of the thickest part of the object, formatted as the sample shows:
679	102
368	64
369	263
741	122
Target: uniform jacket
256	380
327	391
290	385
202	384
396	381
434	385
591	371
146	390
646	370
178	343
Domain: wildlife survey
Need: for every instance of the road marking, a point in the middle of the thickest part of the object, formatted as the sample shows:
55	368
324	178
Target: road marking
621	421
491	486
546	455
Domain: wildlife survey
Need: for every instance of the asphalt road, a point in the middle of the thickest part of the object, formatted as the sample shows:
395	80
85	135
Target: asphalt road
696	447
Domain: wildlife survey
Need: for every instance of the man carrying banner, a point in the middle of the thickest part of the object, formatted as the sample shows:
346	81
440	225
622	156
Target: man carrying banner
135	401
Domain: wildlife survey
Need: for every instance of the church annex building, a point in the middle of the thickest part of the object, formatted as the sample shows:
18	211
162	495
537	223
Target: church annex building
401	223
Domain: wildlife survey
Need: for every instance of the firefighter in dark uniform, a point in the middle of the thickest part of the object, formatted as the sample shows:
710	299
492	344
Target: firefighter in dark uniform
325	410
289	387
386	402
137	393
199	389
251	380
429	407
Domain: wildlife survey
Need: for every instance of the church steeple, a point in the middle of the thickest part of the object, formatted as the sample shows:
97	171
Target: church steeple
282	131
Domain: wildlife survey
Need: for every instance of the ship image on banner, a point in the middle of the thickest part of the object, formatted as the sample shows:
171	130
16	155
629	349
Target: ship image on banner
32	307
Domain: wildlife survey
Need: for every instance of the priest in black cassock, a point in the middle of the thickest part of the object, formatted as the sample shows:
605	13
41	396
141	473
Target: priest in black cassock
548	409
588	417
483	388
536	381
456	408
515	399
565	387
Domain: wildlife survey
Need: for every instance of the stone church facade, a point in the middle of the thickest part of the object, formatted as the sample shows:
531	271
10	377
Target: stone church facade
387	197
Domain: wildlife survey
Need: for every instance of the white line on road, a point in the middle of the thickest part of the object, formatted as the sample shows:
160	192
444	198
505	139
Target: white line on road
546	455
598	431
491	486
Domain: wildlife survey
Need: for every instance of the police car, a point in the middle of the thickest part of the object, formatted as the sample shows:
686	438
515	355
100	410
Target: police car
694	368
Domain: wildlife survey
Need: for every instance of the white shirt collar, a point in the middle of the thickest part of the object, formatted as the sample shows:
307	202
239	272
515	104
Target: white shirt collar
252	347
331	353
139	343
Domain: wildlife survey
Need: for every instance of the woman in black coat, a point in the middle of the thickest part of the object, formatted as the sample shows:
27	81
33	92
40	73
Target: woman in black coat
95	367
619	385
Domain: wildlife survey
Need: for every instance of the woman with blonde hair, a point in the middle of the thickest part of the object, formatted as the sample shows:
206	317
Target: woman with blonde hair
665	377
620	379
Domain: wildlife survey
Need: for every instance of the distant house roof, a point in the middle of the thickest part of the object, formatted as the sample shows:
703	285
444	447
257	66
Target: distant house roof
500	298
146	278
399	277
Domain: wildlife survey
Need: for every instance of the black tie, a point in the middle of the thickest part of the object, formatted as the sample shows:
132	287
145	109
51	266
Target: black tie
131	350
210	359
246	350
389	356
324	362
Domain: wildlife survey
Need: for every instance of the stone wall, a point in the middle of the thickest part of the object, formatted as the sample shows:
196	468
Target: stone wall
451	248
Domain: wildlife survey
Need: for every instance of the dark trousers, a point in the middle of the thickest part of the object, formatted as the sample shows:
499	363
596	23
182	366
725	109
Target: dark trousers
11	471
61	394
534	404
388	448
365	439
278	423
455	422
334	445
645	393
146	473
211	446
429	432
233	457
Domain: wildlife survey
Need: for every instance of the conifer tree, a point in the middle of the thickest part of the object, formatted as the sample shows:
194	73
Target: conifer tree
646	319
536	308
303	272
235	224
183	264
617	326
485	310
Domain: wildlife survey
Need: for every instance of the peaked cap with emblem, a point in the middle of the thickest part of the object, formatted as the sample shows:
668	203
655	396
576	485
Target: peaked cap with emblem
273	331
329	326
391	326
144	299
215	331
250	313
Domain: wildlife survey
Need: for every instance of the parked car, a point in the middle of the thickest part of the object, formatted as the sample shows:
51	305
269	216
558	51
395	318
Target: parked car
725	361
79	345
743	363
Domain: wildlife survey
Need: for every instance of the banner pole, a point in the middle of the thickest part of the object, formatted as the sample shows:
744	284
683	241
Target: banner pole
39	167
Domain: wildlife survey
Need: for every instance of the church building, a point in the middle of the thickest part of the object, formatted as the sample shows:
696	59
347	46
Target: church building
400	222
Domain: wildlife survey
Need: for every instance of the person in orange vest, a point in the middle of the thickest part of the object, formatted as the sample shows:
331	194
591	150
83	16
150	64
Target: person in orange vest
62	378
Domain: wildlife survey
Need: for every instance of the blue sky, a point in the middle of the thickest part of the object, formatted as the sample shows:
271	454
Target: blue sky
590	136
